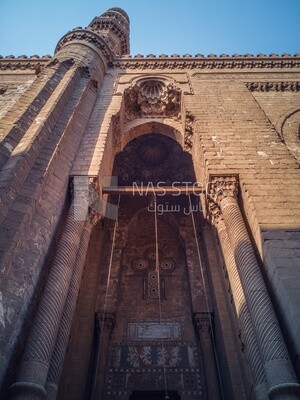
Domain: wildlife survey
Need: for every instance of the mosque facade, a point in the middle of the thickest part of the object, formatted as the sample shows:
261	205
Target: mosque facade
150	223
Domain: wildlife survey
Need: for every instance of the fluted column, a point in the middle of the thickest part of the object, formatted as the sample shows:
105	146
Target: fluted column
203	322
62	338
281	378
248	334
33	370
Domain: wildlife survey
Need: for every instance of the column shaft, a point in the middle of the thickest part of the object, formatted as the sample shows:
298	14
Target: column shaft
62	338
34	365
278	367
252	348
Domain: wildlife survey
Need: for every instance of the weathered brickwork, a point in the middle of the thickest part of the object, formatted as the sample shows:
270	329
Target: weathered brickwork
205	302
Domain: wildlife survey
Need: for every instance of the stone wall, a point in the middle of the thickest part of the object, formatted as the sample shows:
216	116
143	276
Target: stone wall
237	115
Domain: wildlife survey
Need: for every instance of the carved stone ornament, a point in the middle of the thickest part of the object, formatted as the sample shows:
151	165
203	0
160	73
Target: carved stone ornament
215	212
189	131
152	98
203	322
273	86
221	186
88	36
23	63
105	322
211	62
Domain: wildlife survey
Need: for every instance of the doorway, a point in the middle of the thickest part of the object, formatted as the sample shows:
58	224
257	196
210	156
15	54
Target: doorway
153	395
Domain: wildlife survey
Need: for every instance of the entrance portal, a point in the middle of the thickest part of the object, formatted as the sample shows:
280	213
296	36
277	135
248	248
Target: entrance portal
153	395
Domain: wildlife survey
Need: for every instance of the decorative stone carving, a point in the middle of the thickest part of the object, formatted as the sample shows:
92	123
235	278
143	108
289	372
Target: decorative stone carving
167	264
140	264
273	86
152	98
150	353
88	36
154	331
230	63
153	287
214	212
189	131
222	186
212	63
105	323
15	64
153	158
117	21
203	322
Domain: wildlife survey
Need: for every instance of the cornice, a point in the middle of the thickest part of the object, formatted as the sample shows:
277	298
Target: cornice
287	86
234	63
211	62
23	63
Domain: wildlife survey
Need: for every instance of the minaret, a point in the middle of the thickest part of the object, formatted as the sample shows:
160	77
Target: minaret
113	25
106	36
77	68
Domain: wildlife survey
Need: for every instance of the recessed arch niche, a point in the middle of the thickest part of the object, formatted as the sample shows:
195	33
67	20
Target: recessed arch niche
154	305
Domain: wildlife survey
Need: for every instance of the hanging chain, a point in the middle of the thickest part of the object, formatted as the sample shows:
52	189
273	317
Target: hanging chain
106	294
159	297
206	295
110	263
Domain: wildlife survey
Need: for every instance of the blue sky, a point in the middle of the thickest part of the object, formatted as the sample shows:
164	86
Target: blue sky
158	26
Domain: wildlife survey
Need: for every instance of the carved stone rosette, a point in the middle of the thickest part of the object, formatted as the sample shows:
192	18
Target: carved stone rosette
152	98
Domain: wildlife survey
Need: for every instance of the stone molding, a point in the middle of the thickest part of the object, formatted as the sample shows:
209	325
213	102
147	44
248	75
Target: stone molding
273	86
207	63
86	35
163	61
23	63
